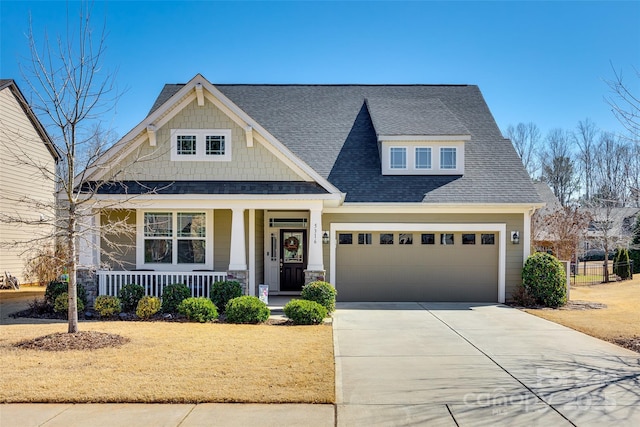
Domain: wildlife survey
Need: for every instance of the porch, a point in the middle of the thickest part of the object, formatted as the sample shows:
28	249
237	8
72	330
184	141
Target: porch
154	282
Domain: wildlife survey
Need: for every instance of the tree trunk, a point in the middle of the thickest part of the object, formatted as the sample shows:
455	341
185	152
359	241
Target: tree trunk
72	288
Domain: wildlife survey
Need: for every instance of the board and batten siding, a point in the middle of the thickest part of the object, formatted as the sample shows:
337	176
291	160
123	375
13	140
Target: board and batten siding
247	163
21	148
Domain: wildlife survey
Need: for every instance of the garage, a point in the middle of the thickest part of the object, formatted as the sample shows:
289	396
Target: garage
419	263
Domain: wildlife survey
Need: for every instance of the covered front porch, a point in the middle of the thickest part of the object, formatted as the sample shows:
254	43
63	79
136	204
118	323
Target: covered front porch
276	243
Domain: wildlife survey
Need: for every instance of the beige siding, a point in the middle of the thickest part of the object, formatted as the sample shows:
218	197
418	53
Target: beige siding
118	250
514	259
221	239
247	163
23	156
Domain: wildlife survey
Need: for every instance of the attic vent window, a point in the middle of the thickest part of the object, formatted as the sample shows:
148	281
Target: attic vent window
203	145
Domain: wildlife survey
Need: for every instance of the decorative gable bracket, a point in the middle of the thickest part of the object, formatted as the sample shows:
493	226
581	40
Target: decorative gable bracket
248	131
151	133
199	94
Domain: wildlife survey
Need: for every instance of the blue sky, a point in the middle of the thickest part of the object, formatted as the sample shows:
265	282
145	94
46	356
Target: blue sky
544	62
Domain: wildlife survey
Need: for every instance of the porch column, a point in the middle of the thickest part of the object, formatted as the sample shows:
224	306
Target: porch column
238	253
315	267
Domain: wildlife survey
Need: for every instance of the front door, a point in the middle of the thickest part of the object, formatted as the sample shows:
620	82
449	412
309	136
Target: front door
293	259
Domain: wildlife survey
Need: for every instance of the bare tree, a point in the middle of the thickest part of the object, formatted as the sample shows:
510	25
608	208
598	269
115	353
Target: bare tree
585	138
561	230
625	105
71	91
612	170
525	138
558	167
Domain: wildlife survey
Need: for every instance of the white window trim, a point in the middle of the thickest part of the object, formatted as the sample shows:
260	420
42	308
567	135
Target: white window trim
455	150
411	146
201	135
499	229
415	158
407	156
174	266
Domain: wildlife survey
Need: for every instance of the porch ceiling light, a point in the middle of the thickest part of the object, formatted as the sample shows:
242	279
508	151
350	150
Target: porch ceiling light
325	237
515	237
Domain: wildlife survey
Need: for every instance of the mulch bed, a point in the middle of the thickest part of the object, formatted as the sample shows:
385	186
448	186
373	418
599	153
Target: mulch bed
629	343
82	340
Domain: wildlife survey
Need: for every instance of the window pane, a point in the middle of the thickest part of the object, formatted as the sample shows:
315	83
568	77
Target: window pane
158	225
215	145
364	238
429	239
447	158
386	239
186	144
191	251
345	238
488	239
191	225
158	251
446	239
405	239
468	239
398	158
423	158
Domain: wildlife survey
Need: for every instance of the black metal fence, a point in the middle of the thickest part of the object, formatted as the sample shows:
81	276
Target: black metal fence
593	272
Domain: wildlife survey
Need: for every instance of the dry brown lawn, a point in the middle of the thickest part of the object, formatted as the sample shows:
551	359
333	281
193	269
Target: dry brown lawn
172	362
620	321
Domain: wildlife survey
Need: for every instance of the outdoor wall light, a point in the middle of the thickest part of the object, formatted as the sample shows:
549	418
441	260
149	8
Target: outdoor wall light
515	237
325	237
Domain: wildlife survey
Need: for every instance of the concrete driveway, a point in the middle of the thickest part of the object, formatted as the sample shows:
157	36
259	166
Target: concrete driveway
476	364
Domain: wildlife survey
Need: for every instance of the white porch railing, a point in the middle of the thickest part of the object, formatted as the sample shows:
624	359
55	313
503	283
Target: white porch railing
153	282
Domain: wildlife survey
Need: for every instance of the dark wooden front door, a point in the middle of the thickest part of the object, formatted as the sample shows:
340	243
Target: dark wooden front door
293	259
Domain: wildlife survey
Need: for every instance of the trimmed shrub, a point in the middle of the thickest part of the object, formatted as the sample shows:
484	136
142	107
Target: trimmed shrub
522	297
304	312
148	306
545	280
321	292
61	304
247	309
173	295
199	309
129	296
621	265
107	305
222	292
55	288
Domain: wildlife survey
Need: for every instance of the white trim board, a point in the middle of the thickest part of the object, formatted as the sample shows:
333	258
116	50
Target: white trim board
501	229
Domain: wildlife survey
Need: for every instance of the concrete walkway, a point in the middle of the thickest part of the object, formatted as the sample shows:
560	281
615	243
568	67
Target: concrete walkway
421	364
476	364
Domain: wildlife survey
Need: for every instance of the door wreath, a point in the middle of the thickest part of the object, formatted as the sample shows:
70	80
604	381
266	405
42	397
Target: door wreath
291	244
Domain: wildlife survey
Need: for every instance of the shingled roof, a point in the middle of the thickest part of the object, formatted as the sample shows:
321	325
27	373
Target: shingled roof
334	128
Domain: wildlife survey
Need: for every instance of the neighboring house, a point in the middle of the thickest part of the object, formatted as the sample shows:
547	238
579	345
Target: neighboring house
27	155
389	192
614	224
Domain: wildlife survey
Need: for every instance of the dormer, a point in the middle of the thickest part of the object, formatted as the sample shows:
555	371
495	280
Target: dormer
418	136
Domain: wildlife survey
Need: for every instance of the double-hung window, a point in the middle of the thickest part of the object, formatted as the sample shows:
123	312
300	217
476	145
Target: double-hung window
208	145
448	158
175	238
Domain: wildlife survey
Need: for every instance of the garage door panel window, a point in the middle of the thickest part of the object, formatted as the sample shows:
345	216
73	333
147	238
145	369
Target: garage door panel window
345	238
405	239
364	238
488	239
468	239
386	238
446	239
428	239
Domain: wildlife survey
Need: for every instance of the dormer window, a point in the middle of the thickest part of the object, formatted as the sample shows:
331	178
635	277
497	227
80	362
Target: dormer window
438	156
398	158
448	158
208	145
423	157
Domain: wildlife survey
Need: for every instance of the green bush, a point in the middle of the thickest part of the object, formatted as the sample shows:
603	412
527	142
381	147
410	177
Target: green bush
107	305
621	265
173	295
247	309
545	280
148	306
61	304
304	312
222	292
322	293
129	296
55	288
199	309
